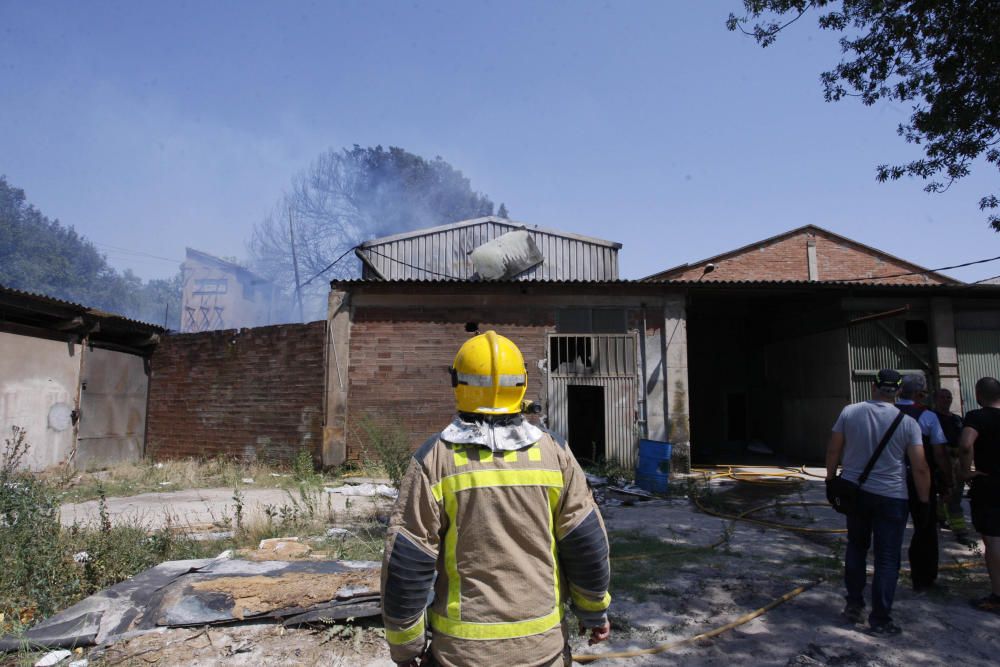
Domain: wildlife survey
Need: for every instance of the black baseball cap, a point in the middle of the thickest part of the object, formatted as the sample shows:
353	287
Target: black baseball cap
888	379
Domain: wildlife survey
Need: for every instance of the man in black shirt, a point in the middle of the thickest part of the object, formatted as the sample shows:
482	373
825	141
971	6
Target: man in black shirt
980	442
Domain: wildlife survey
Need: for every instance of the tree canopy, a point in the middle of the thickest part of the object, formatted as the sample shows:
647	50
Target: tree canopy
352	195
43	256
943	56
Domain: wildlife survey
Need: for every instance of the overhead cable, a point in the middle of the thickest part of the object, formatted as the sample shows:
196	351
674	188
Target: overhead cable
328	266
919	273
412	266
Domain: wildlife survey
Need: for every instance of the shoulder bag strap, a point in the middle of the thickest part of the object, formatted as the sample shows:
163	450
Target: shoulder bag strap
881	446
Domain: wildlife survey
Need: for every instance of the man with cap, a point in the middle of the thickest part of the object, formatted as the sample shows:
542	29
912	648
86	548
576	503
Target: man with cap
494	525
882	503
923	552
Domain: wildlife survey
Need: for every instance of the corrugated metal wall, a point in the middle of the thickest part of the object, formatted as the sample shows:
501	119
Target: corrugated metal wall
873	347
445	254
978	357
607	361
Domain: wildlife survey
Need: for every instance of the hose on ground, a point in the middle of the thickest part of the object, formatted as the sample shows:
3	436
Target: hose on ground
660	648
743	516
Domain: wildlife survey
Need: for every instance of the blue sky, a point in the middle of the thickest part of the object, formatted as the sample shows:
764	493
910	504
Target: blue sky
154	126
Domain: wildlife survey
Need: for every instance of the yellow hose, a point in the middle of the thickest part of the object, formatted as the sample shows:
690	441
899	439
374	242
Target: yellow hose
742	516
660	648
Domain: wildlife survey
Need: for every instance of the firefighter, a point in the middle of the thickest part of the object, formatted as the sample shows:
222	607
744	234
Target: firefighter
493	530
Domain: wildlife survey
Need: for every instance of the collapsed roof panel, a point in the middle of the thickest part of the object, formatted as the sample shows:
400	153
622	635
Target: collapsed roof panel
208	592
506	256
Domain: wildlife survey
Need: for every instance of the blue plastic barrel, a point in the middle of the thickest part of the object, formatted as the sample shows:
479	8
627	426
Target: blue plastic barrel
653	471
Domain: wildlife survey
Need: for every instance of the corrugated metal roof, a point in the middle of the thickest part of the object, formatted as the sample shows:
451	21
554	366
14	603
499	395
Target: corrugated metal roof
513	224
80	309
701	285
443	253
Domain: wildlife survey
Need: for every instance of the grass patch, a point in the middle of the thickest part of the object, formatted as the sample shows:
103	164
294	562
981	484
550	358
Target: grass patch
387	448
639	562
129	479
45	567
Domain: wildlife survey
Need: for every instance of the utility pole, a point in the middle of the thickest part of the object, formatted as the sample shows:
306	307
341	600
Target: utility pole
295	266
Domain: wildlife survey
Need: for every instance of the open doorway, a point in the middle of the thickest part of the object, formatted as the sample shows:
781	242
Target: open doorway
585	407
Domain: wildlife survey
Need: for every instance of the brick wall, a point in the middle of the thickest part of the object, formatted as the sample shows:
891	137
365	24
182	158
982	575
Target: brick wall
400	358
786	259
253	394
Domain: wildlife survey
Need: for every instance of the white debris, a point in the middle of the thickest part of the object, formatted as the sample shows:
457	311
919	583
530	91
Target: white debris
53	658
369	490
81	557
79	663
158	466
210	536
278	474
165	483
337	532
248	480
225	555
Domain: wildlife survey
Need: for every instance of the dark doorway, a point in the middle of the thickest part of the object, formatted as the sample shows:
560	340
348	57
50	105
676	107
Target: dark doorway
585	407
736	417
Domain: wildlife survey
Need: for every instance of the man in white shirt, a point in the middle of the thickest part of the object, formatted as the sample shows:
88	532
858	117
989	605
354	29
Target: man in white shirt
882	501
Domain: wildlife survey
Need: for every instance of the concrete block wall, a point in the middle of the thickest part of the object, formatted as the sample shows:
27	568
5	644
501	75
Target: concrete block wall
250	394
399	361
787	259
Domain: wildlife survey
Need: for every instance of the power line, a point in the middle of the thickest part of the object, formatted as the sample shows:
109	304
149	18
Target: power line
412	266
137	252
920	273
328	266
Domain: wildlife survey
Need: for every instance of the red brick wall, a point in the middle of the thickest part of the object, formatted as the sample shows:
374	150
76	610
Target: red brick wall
786	259
400	359
255	394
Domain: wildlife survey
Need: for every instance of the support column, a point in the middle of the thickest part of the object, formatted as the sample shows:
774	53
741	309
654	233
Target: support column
945	353
675	395
338	350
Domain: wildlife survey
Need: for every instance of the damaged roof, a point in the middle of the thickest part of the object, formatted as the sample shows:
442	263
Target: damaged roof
489	248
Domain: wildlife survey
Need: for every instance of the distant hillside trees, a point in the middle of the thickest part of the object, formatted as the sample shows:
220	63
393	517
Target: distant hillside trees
41	255
352	195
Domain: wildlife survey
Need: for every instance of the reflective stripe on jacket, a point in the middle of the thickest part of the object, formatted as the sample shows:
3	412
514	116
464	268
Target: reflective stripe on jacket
509	536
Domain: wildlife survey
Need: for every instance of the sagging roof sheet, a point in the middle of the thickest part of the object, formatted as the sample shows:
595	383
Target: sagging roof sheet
211	591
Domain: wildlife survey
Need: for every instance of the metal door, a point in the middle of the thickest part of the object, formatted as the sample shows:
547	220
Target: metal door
978	357
597	360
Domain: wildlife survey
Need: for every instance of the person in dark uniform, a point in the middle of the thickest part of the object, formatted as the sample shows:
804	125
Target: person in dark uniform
980	443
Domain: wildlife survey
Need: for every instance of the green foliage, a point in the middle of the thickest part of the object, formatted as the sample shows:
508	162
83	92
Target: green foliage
35	571
352	195
938	55
304	469
388	443
43	256
45	568
616	473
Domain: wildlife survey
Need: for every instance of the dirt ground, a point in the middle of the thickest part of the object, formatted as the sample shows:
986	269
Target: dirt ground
678	572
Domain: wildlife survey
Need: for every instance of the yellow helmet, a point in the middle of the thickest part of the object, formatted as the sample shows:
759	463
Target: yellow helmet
489	376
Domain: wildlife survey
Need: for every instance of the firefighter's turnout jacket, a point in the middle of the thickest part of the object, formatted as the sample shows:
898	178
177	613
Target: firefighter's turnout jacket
504	519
